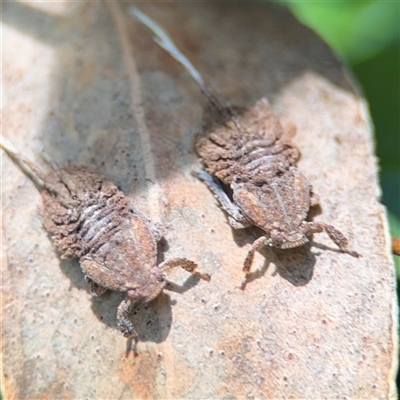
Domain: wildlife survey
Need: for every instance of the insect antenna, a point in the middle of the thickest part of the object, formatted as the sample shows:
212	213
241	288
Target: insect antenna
164	41
38	177
27	166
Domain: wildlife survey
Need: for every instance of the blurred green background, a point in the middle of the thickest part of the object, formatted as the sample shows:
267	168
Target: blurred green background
366	35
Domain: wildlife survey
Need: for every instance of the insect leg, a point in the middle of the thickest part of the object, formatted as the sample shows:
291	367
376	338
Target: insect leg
124	323
186	264
95	289
158	231
314	198
336	236
257	245
236	219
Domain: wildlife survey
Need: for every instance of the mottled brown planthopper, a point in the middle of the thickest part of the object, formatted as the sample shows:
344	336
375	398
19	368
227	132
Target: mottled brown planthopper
92	220
252	153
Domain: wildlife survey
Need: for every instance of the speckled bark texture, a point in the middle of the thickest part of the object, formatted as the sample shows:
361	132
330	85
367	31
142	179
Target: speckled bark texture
86	85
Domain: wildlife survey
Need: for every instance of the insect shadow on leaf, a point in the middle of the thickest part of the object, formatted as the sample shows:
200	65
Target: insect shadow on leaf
252	153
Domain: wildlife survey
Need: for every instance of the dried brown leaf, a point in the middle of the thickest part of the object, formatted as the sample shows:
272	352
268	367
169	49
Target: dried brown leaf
87	84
